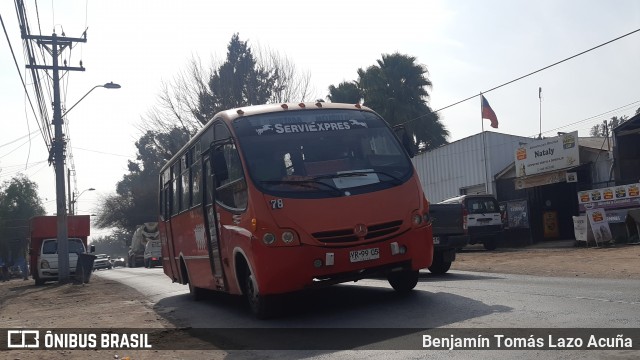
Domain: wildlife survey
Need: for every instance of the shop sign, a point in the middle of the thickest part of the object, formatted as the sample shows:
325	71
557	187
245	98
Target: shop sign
546	155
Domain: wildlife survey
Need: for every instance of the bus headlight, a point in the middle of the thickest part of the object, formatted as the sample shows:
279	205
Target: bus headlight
416	219
268	238
287	237
44	264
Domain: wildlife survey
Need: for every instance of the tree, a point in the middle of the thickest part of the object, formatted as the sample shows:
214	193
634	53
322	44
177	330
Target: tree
188	103
396	88
19	201
239	81
244	78
601	130
136	197
346	92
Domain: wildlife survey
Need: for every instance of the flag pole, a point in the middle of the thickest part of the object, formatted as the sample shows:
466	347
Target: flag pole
540	97
484	147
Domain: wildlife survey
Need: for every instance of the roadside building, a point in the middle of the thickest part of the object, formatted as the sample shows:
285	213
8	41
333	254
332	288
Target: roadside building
626	151
536	181
466	166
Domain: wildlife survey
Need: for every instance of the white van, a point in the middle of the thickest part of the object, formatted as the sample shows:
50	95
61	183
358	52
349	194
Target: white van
482	218
48	259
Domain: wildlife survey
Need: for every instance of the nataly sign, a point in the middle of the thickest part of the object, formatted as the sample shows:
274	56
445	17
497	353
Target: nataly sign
545	155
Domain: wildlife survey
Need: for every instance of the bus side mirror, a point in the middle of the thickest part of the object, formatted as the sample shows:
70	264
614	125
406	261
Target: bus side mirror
92	248
407	143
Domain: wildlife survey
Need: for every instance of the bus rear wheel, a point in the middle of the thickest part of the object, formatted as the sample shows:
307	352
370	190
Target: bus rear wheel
259	304
403	281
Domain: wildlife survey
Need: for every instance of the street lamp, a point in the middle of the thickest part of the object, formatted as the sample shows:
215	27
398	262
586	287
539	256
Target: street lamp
58	149
72	205
109	85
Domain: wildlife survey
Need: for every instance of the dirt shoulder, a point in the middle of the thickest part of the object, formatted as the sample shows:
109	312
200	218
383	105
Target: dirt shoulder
100	304
554	259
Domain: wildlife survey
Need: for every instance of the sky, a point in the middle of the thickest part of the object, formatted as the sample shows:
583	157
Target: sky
467	46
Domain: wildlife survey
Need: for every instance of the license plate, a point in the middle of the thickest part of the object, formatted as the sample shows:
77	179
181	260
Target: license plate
436	240
364	254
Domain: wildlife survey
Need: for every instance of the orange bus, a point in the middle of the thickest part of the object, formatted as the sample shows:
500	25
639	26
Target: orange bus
272	199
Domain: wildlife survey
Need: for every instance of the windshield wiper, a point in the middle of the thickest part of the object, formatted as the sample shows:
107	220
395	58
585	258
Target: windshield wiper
304	183
395	179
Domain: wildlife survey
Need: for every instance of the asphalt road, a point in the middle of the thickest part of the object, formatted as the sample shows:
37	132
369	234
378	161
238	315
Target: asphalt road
456	300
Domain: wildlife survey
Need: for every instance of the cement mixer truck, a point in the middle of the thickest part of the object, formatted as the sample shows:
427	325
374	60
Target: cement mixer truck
145	246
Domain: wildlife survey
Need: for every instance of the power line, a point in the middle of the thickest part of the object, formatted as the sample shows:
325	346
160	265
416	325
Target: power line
592	117
524	76
18	139
24	85
101	152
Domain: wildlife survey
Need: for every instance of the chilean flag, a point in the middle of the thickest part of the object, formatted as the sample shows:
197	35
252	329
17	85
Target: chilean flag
487	113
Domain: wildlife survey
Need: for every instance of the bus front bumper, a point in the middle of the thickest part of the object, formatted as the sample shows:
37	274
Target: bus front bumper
288	269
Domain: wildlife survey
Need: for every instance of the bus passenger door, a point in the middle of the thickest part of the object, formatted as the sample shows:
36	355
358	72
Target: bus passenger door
169	257
212	224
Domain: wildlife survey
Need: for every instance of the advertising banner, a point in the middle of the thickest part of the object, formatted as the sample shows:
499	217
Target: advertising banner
545	155
616	197
599	225
582	229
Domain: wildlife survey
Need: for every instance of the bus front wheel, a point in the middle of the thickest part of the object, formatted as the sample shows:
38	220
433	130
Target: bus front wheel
403	281
195	292
257	303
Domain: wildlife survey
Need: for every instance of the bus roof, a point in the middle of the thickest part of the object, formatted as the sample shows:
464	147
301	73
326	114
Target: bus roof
232	114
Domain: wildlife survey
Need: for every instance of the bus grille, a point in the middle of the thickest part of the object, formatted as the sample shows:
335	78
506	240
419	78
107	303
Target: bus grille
346	235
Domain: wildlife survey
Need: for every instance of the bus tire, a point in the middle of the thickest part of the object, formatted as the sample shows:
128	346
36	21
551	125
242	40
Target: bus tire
196	293
403	281
258	304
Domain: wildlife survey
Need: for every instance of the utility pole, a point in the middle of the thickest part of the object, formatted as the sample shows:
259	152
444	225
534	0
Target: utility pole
605	127
69	191
55	45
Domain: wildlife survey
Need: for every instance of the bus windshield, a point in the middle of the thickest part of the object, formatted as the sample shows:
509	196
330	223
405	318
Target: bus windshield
321	153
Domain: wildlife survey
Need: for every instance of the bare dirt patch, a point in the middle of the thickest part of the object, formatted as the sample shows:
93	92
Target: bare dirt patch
564	260
100	304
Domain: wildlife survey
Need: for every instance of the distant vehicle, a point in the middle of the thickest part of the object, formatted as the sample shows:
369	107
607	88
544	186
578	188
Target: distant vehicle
449	234
153	253
43	253
118	261
482	219
102	261
138	253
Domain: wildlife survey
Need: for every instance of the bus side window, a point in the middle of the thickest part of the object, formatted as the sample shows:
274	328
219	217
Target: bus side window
187	160
196	174
175	189
231	187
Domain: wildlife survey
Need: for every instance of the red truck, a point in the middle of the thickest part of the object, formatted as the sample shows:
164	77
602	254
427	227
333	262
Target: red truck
43	248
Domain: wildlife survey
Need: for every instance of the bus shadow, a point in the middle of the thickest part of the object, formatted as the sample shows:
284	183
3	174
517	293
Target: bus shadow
340	317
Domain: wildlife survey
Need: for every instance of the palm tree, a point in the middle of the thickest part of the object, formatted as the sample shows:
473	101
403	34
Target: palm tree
396	88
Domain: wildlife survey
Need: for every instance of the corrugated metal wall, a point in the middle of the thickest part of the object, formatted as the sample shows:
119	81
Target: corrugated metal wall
460	164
